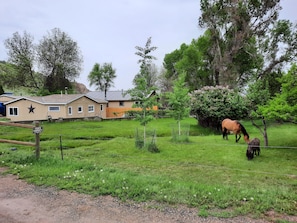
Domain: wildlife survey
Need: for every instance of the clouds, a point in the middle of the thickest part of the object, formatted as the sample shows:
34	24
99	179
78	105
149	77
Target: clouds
106	31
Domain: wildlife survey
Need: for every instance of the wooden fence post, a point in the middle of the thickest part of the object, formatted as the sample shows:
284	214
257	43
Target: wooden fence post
37	130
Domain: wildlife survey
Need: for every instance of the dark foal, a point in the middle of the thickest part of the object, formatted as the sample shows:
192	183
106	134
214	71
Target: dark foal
253	148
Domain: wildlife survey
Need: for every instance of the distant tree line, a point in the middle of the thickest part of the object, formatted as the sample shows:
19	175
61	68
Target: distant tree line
56	55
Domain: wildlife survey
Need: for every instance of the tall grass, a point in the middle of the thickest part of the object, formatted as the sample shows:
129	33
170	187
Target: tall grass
209	173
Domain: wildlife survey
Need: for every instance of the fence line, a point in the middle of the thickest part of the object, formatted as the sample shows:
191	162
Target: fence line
36	130
17	142
17	125
212	144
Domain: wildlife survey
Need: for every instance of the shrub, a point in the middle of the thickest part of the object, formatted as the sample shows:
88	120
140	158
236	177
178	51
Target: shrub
211	105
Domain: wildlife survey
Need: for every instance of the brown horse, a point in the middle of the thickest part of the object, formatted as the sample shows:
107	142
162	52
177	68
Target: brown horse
236	127
253	148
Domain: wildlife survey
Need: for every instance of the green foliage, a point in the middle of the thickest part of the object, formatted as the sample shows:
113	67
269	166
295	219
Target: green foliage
59	58
152	147
195	63
211	105
1	89
284	105
145	99
289	85
102	76
57	55
275	55
146	64
56	83
277	109
153	113
171	59
233	54
22	55
257	94
193	59
144	93
179	99
212	175
272	82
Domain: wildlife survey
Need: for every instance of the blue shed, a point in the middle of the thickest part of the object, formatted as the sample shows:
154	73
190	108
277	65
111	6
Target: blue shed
2	109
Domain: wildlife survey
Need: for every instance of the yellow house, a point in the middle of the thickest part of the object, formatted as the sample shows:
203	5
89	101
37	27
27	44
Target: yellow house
58	106
118	102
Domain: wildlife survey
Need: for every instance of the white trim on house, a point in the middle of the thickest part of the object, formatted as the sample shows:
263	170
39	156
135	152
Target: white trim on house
13	111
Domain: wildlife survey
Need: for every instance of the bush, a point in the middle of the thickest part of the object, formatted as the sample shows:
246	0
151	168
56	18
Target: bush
139	143
211	105
152	147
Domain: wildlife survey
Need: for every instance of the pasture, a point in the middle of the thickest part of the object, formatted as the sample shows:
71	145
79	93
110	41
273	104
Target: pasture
209	173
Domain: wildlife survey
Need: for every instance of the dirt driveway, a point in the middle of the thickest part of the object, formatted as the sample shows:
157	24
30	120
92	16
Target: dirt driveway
21	202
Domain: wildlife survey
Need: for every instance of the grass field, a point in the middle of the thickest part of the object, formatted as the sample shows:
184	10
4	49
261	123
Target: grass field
209	173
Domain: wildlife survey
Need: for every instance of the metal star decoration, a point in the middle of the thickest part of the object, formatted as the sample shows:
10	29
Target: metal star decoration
31	109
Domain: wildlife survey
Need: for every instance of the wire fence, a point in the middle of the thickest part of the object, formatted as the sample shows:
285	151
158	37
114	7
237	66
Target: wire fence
151	133
58	139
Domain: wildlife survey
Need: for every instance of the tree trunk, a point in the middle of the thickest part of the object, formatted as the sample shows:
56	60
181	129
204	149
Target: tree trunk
144	133
264	131
105	91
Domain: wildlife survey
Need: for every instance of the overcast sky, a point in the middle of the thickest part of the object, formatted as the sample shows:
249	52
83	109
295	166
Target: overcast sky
108	31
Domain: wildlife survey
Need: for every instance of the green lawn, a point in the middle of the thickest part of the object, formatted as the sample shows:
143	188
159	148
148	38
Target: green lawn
209	173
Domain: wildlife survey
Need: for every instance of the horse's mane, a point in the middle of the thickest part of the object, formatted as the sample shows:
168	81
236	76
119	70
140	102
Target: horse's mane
244	132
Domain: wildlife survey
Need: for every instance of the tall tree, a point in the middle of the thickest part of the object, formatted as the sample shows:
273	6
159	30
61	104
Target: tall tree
171	59
194	59
238	27
21	53
147	68
60	59
195	62
143	92
102	76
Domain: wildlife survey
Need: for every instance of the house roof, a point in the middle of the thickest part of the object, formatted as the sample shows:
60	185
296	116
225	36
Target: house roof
62	99
113	95
12	97
110	95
